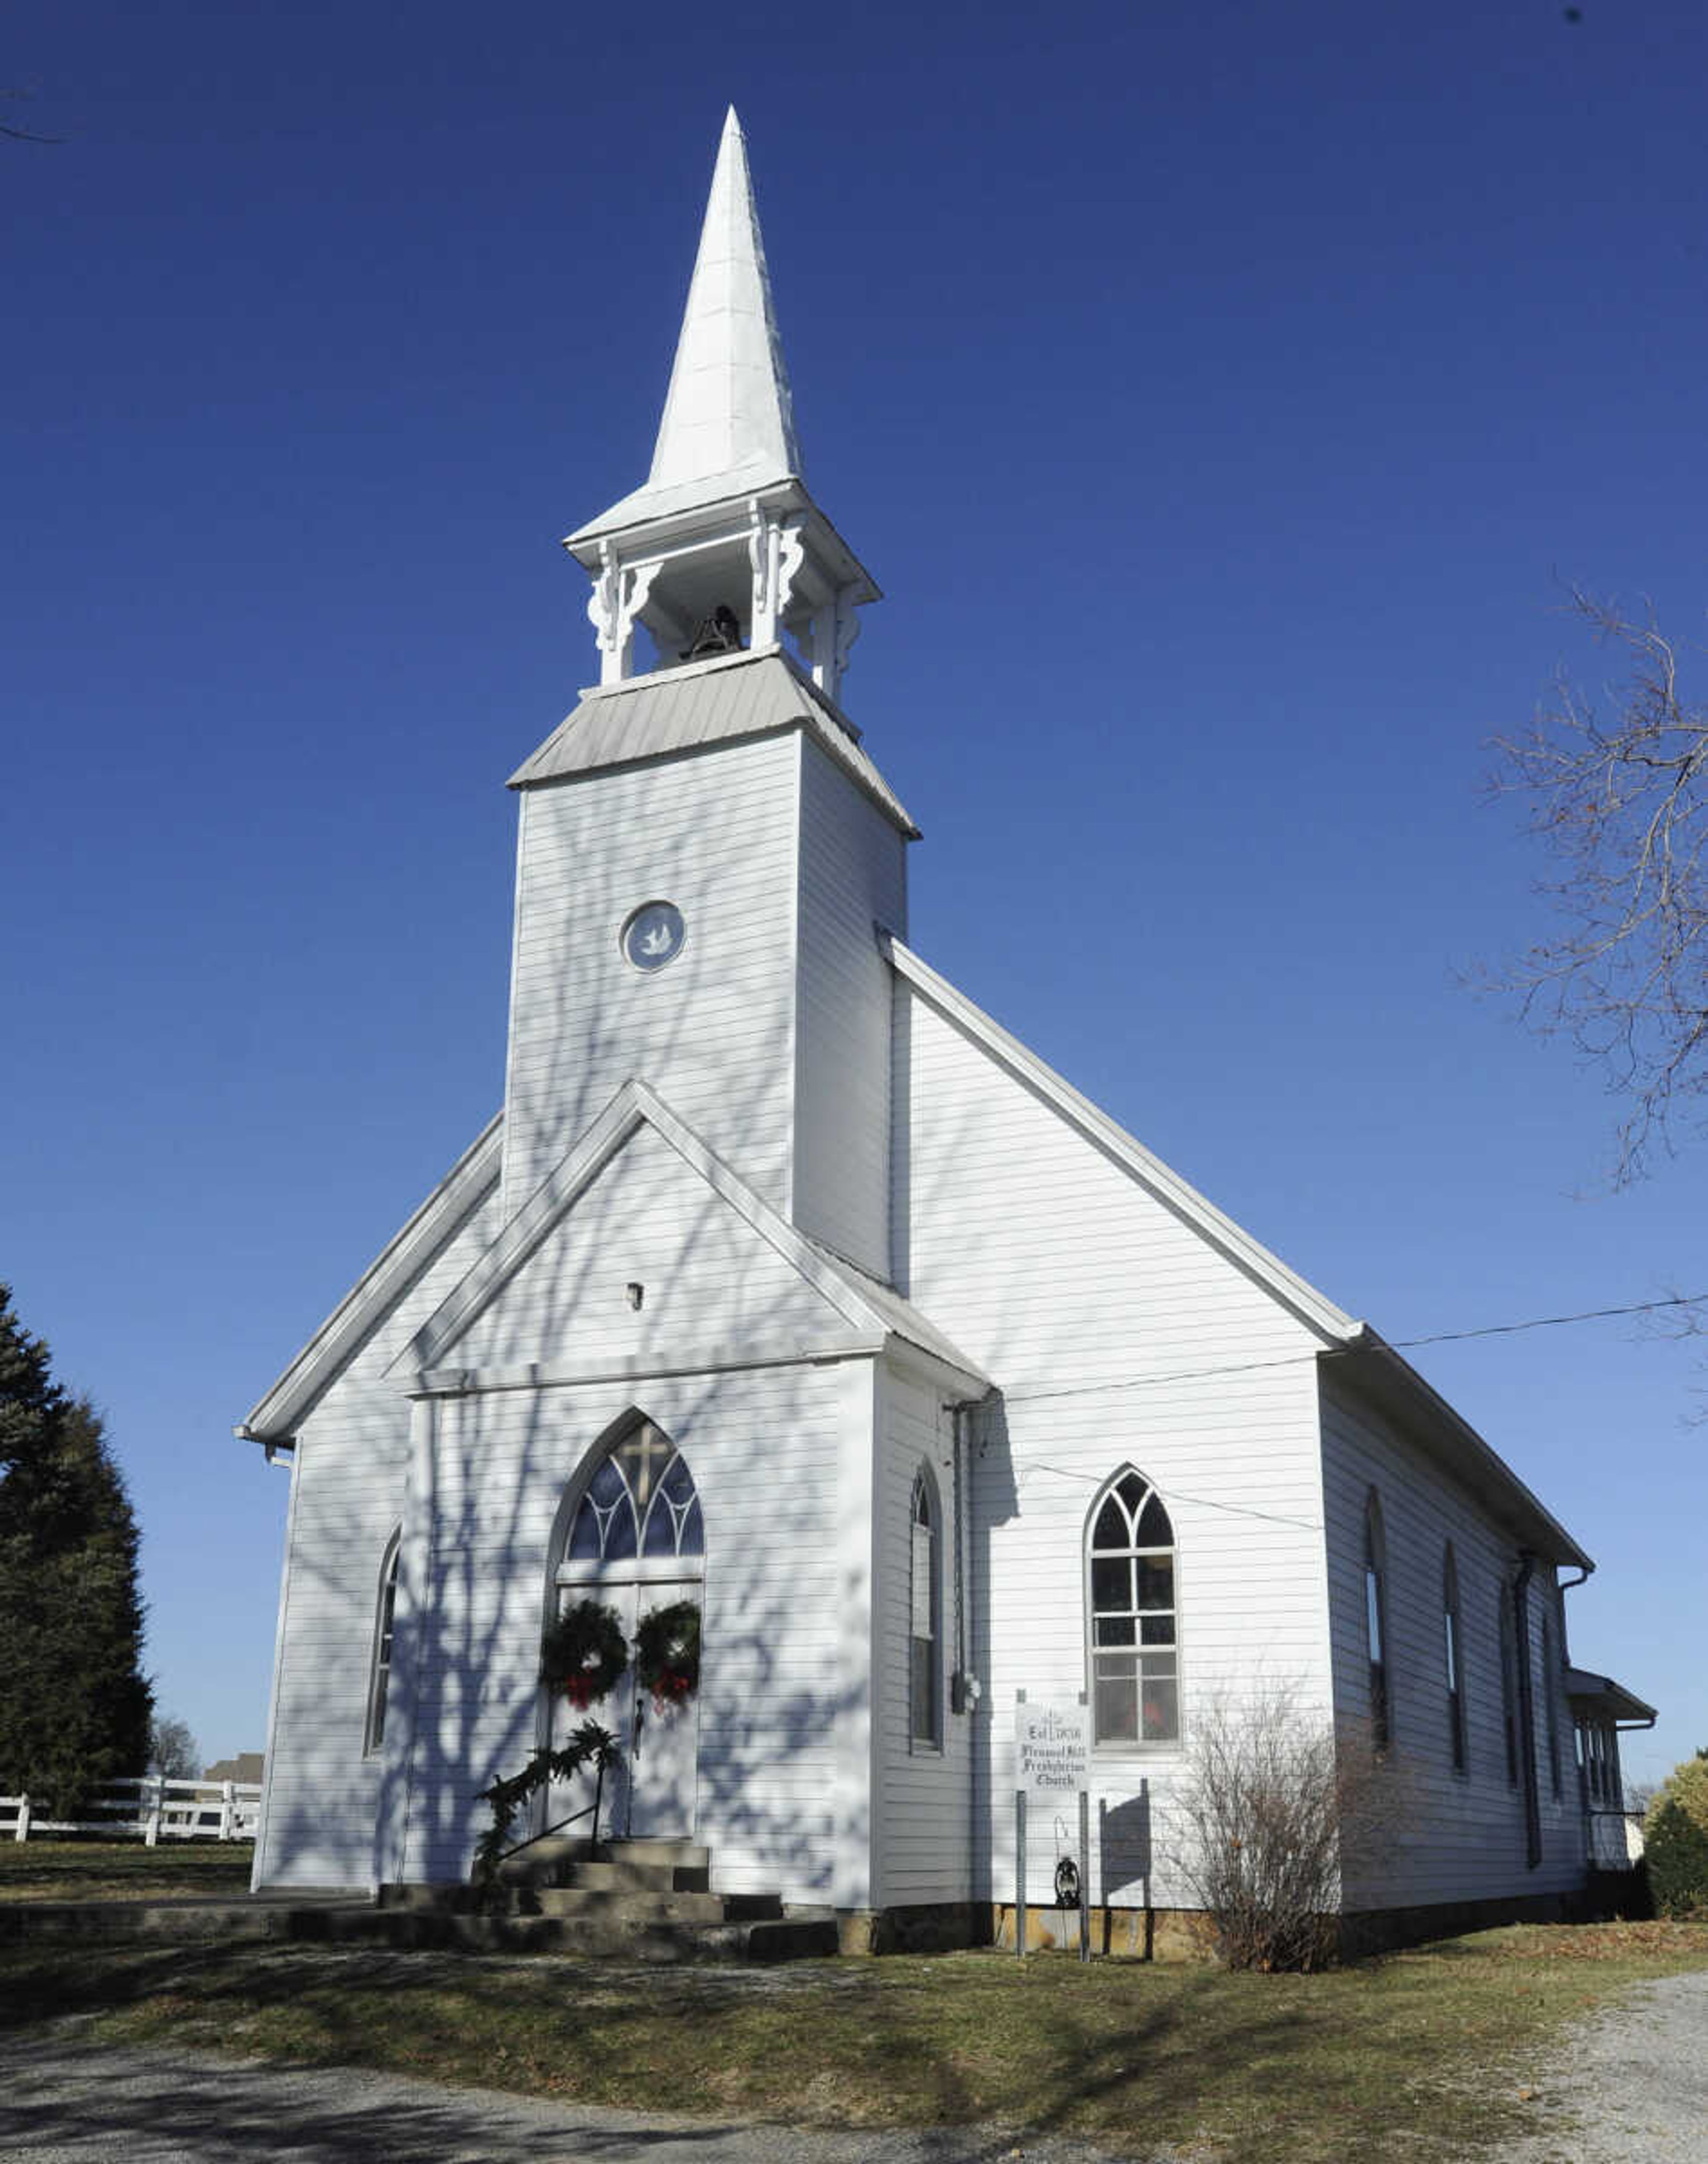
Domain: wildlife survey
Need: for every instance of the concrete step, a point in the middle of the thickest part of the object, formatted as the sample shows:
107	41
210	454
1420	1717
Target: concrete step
684	1855
624	1873
621	1905
738	1933
543	1862
629	1904
595	1935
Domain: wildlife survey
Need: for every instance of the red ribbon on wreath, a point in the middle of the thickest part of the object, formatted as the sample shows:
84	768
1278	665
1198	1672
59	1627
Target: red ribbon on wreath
667	1653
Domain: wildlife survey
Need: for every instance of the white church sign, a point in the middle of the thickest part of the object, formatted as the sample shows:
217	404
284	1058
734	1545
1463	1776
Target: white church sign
1052	1748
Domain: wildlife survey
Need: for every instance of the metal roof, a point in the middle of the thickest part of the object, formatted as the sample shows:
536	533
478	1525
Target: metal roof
1585	1688
901	1315
704	702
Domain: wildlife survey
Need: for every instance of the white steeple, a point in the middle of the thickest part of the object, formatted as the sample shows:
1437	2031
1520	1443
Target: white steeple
728	410
724	521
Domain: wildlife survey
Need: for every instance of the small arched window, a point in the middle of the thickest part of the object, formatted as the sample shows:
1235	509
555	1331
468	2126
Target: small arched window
924	1617
640	1502
1376	1624
1509	1686
380	1669
1131	1613
1453	1654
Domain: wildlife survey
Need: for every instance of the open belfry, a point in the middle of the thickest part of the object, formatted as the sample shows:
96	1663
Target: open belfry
797	1371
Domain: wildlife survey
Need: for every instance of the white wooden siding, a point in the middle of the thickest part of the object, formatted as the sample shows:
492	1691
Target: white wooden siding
714	832
923	1814
1455	1836
853	876
348	1481
770	1452
706	1277
1056	1271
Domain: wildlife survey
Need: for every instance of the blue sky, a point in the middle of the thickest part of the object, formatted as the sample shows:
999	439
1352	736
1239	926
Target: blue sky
1223	396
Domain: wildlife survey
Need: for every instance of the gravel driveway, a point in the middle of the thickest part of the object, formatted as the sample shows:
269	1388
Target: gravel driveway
1632	2086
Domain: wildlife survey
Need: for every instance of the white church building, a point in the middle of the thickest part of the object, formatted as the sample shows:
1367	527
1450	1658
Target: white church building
790	1284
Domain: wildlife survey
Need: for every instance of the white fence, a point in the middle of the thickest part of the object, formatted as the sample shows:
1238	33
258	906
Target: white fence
155	1808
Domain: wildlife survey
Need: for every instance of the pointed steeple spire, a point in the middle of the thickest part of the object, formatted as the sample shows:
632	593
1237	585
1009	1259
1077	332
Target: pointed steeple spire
727	409
723	549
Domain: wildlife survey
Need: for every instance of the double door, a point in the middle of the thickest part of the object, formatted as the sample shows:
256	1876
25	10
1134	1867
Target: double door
653	1792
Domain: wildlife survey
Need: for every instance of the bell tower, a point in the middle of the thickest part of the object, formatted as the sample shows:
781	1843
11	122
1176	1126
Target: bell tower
707	853
723	547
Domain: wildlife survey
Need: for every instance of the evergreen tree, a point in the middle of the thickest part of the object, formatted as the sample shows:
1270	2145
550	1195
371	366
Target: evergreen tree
74	1705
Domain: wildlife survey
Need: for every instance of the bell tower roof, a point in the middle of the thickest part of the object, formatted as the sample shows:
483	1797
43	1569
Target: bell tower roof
723	549
729	426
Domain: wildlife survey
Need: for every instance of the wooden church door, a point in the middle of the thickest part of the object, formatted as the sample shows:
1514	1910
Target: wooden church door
636	1547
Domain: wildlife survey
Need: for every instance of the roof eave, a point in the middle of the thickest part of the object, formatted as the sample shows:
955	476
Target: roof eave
1585	1688
274	1421
1394	1383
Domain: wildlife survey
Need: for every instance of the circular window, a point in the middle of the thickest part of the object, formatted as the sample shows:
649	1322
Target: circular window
653	935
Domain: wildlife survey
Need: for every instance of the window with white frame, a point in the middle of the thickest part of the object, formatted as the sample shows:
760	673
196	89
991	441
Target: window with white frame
1131	1615
379	1671
924	1615
1376	1624
1454	1654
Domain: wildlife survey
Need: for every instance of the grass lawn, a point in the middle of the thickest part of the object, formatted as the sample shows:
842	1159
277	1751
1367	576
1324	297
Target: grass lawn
1427	2055
121	1870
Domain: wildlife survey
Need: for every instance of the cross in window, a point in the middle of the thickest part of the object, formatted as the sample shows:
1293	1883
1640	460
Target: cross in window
645	1453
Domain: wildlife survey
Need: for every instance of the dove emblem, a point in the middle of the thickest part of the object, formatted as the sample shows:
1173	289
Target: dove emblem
653	935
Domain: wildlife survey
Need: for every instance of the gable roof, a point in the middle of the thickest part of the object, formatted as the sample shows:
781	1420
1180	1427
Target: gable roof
874	1314
1349	1347
290	1399
759	692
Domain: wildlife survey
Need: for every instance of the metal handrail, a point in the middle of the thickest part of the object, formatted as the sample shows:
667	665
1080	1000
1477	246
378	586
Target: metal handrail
587	1811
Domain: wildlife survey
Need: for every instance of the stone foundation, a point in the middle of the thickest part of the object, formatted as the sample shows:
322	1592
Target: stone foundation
1184	1935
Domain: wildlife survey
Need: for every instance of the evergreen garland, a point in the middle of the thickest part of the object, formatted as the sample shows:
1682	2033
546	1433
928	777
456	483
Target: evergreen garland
667	1653
583	1654
590	1745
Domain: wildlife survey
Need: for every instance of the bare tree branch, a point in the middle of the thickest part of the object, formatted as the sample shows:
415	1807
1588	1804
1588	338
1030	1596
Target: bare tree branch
1620	805
24	134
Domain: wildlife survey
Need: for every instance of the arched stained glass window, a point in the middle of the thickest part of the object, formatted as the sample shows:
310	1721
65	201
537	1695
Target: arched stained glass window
640	1502
1130	1585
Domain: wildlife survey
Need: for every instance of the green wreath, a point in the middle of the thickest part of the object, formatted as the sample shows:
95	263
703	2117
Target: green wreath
667	1653
583	1654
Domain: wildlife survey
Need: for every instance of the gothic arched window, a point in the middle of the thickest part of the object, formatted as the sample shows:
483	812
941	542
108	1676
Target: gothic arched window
1550	1702
1376	1623
379	1671
640	1502
1454	1655
1131	1615
924	1621
1509	1686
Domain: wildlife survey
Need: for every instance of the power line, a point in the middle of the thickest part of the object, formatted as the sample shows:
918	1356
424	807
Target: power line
1340	1352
